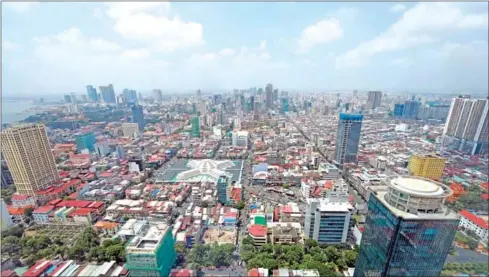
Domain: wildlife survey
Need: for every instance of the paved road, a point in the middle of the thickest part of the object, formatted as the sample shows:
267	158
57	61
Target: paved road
466	256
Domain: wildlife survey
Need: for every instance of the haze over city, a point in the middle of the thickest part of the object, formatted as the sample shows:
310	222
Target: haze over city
61	47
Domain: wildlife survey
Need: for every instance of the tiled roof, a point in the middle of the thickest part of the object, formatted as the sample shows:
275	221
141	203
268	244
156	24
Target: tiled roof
477	220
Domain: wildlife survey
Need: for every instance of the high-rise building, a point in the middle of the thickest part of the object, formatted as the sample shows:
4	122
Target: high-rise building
348	137
240	138
285	106
130	95
129	129
92	93
120	152
328	222
223	185
73	98
85	141
269	95
374	98
408	231
427	166
7	179
67	98
466	129
29	158
108	93
196	127
151	252
138	116
411	109
157	95
398	110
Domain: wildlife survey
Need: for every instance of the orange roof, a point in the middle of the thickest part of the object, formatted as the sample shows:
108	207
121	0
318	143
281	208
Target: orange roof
106	224
472	217
17	211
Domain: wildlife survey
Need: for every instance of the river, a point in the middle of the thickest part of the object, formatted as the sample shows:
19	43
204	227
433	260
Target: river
15	110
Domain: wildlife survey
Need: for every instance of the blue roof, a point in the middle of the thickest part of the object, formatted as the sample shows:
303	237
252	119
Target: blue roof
350	116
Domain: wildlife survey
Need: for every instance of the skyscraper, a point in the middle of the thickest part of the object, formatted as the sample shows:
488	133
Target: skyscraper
269	95
157	95
108	94
195	127
427	166
466	128
411	109
408	230
130	95
374	98
222	189
73	98
92	93
29	158
348	137
67	98
398	110
138	116
85	141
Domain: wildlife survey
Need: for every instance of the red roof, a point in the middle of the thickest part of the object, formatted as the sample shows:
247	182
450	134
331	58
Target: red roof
472	217
8	273
485	196
253	273
181	273
38	268
17	211
43	209
74	203
257	230
19	197
54	201
82	212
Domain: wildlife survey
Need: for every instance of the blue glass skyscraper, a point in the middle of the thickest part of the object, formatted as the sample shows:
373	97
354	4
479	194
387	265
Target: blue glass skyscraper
85	141
138	116
408	231
411	109
348	137
92	93
398	110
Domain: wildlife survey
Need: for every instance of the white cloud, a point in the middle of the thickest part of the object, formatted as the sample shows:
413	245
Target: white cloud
9	46
418	26
20	7
397	8
135	53
401	62
321	32
227	52
151	23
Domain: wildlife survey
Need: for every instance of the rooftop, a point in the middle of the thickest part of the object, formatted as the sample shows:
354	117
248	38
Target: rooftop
148	241
418	186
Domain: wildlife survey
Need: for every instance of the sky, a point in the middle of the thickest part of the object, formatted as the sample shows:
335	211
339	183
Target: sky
54	48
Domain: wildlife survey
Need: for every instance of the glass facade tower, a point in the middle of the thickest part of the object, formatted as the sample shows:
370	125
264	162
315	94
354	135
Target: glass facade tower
348	137
408	232
138	116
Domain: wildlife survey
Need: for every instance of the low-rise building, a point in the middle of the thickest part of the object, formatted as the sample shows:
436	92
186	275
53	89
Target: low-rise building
474	223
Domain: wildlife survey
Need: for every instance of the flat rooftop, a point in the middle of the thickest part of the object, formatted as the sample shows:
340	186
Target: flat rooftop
148	240
447	214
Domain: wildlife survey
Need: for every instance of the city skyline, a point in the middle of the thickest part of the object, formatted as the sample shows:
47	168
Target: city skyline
371	46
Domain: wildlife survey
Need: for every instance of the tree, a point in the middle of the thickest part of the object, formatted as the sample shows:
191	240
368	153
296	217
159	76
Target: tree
350	257
115	252
180	248
240	205
309	243
247	240
16	231
332	253
472	243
